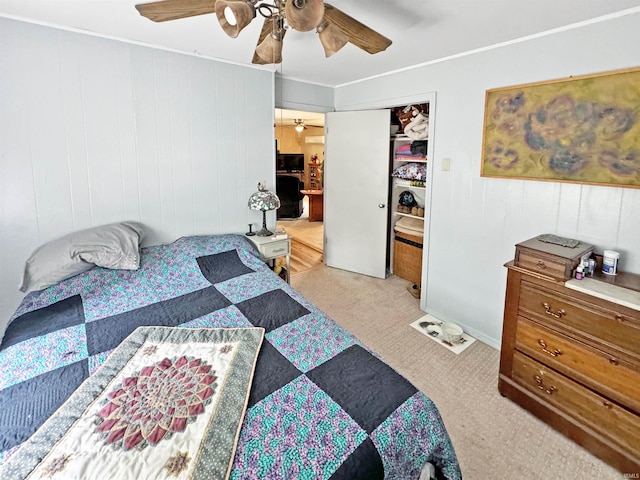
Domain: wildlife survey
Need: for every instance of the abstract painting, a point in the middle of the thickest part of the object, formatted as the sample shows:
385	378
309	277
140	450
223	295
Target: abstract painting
582	130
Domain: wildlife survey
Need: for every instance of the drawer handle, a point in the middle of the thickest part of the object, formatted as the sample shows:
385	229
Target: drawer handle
606	404
548	311
280	250
541	265
541	386
613	361
553	353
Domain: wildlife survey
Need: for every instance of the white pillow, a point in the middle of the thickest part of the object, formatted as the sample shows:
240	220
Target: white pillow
111	246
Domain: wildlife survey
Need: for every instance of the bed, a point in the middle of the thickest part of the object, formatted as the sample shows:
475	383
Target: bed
321	405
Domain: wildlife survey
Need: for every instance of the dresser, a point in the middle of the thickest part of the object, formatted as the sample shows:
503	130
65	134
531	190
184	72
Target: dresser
572	357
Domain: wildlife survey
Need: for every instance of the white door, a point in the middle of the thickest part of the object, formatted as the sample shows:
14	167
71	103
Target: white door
356	187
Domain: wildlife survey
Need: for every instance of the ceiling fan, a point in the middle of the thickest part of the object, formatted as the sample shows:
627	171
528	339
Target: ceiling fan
299	125
335	28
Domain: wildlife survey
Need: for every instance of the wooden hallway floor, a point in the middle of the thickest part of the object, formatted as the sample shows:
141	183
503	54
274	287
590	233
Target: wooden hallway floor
303	256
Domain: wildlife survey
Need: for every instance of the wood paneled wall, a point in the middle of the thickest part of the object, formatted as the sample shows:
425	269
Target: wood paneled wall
475	221
94	131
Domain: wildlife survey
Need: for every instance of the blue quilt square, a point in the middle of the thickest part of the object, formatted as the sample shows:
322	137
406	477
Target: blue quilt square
46	393
222	266
355	378
57	316
271	310
363	464
273	371
107	333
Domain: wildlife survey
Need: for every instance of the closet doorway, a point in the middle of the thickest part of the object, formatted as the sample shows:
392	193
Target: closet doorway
299	140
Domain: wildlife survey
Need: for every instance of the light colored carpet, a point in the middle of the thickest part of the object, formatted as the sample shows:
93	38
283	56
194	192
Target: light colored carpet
494	438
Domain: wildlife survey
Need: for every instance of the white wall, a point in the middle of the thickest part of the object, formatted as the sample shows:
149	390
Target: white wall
297	95
476	221
94	131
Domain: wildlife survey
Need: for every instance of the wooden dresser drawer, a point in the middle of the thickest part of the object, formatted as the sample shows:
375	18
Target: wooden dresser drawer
597	324
617	424
605	373
543	264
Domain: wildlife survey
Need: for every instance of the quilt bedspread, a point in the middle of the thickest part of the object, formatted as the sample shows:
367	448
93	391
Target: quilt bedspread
321	406
168	402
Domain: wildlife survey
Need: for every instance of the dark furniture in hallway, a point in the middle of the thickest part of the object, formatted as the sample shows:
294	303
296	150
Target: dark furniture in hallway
288	189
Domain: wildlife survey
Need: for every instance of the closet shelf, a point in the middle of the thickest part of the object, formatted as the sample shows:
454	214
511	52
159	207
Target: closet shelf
408	215
410	159
406	184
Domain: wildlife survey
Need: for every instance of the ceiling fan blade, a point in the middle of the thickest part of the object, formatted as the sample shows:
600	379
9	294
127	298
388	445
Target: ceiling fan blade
359	34
267	27
164	10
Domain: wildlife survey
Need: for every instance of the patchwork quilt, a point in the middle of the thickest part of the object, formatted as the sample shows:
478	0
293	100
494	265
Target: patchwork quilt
321	405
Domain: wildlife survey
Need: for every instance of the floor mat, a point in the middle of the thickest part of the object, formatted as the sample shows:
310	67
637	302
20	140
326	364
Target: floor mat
438	337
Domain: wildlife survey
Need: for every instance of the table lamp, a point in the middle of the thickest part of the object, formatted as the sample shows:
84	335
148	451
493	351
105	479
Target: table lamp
264	200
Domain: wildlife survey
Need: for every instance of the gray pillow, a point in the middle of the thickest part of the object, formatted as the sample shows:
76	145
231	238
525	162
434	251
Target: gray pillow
111	246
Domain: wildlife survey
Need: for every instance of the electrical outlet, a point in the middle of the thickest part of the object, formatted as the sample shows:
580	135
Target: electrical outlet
446	164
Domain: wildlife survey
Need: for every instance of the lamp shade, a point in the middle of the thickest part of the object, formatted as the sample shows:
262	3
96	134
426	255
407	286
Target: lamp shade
264	201
234	15
331	37
270	49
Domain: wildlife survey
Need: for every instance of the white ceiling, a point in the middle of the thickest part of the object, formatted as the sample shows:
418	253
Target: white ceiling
421	30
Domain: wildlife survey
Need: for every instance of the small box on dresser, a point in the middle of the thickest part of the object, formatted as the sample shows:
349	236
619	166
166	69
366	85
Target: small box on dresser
552	260
573	359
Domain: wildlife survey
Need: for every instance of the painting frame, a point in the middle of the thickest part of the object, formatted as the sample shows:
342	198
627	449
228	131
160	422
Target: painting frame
581	129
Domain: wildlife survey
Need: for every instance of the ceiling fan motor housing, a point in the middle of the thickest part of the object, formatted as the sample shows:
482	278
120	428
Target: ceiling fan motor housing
304	15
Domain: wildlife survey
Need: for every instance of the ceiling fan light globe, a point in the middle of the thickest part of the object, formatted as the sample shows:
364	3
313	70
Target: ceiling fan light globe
229	16
332	38
304	15
234	15
270	49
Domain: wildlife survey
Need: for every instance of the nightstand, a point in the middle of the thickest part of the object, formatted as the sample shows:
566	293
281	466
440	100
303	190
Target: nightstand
271	248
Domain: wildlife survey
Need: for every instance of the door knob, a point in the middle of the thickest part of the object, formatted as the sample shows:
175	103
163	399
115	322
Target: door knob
381	205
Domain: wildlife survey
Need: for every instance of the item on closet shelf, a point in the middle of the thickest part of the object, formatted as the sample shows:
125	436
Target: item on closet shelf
407	199
418	128
610	262
411	171
404	152
419	147
407	115
410	226
417	212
